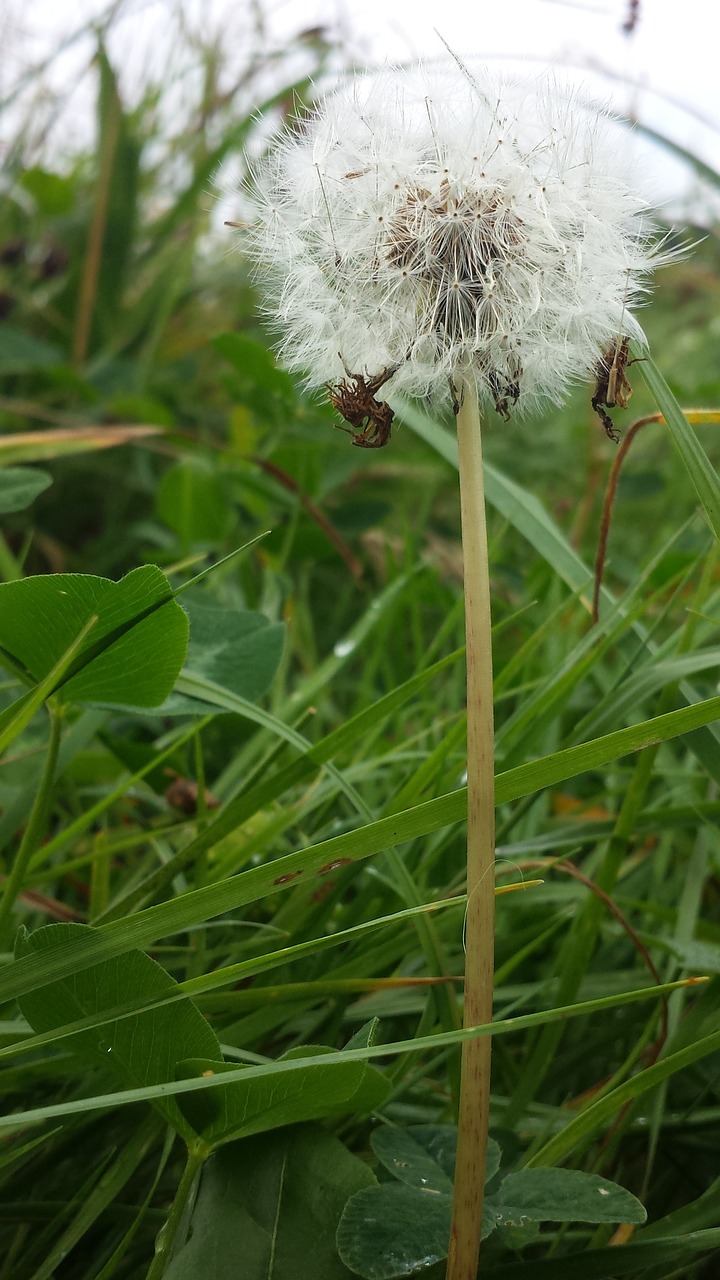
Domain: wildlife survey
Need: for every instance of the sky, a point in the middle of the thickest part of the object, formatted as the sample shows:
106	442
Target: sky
663	73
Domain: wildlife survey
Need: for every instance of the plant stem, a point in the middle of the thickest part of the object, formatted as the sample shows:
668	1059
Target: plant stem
480	920
10	569
165	1246
35	829
109	136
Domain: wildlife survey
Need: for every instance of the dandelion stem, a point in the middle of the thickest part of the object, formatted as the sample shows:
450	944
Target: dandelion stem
479	929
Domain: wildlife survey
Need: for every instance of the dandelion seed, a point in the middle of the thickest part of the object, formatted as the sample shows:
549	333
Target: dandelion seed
455	231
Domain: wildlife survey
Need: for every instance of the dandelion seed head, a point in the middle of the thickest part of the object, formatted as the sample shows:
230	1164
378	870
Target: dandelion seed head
447	226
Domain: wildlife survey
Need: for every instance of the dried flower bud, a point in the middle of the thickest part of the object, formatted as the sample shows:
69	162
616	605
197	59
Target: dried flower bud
427	226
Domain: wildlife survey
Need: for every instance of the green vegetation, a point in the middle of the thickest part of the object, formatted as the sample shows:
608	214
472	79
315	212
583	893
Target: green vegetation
232	912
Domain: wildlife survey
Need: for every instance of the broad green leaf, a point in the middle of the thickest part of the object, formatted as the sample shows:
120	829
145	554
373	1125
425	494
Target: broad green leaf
264	387
141	1050
404	1156
255	1105
22	353
19	486
135	650
232	648
231	974
268	1207
390	1230
423	1155
255	362
562	1195
53	193
193	501
394	1230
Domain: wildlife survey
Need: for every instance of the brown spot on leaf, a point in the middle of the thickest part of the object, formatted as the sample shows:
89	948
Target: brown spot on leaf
287	877
332	866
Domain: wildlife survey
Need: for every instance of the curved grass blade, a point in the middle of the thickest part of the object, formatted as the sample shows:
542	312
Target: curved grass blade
229	974
417	1044
15	719
594	1116
194	908
699	467
628	1259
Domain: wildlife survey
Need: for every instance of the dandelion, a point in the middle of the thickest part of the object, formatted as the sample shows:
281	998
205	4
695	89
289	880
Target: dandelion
427	231
440	234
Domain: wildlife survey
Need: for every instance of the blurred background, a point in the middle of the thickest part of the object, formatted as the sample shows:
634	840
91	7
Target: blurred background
124	129
648	60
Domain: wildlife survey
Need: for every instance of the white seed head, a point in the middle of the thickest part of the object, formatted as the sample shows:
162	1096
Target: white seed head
445	225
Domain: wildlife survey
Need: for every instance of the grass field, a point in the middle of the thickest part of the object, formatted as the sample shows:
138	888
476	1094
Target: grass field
241	854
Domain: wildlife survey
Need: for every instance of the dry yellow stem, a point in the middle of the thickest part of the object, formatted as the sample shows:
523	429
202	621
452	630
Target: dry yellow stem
480	921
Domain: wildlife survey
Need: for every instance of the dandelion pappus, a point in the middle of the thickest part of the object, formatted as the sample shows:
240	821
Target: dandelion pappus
354	399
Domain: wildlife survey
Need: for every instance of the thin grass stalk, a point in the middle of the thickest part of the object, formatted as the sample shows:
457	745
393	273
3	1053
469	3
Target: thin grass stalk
96	235
474	1110
35	829
174	1231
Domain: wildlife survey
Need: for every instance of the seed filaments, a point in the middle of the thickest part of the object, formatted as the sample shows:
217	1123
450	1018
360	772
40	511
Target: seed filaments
453	251
439	227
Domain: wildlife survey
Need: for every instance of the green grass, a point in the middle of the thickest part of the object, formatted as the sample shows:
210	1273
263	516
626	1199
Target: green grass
283	832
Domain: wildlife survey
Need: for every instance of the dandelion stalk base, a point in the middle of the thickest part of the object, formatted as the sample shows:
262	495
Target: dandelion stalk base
480	919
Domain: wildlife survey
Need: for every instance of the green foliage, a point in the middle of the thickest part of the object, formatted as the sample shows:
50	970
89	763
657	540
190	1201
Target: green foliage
274	804
273	1202
173	1039
19	486
133	652
142	1049
396	1230
318	1090
231	648
193	502
22	353
260	384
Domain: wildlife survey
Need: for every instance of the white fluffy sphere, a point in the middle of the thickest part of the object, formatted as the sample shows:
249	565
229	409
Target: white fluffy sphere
436	226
